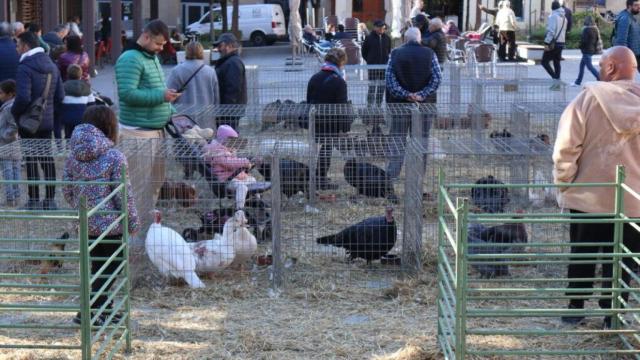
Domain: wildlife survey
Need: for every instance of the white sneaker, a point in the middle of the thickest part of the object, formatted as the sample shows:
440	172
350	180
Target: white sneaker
574	84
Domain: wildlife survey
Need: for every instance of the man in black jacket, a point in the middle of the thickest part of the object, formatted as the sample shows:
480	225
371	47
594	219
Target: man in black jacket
375	51
34	68
8	54
232	78
413	76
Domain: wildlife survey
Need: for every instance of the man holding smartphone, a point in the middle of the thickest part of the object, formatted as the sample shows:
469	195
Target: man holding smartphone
145	109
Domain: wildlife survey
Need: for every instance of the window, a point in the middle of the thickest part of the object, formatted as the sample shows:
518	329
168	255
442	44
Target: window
358	5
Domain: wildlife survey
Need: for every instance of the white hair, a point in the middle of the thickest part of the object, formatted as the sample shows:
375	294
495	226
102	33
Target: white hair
412	34
17	26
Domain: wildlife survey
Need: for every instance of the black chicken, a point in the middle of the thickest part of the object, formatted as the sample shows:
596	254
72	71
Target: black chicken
294	176
490	199
512	233
368	179
369	239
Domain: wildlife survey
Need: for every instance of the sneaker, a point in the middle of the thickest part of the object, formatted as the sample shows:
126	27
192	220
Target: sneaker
32	204
49	204
574	84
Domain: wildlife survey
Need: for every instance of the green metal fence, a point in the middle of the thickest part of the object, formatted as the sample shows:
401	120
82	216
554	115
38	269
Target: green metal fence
45	279
518	313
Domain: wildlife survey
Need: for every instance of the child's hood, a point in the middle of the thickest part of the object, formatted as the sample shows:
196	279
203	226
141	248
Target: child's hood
89	143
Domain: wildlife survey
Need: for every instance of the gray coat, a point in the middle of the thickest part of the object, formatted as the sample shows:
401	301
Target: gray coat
201	90
8	131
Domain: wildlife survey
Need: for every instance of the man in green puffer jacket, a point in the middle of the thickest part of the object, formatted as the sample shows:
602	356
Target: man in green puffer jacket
145	108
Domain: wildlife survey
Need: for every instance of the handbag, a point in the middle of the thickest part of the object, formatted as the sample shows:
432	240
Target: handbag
31	119
184	86
552	43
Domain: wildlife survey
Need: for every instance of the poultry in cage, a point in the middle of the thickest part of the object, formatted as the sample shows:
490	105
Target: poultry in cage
171	255
369	180
370	239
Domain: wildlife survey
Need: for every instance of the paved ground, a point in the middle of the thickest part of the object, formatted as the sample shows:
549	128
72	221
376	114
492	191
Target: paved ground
276	56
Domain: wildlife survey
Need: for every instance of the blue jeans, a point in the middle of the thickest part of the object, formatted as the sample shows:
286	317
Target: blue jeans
586	61
11	171
400	126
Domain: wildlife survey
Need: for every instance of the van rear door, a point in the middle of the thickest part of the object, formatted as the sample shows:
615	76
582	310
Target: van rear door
277	21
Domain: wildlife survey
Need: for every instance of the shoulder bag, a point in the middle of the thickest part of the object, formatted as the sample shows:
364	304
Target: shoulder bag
31	120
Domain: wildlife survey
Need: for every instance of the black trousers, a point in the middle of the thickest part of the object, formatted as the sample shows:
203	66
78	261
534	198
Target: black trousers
35	157
103	250
507	38
554	56
376	86
325	148
579	233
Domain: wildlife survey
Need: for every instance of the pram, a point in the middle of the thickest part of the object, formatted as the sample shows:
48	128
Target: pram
190	155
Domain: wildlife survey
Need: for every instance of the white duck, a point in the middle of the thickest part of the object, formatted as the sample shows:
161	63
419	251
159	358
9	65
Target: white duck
244	243
168	251
218	253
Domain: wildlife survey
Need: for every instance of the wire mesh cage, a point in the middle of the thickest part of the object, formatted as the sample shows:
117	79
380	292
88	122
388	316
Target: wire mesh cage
530	119
199	186
344	224
365	83
508	280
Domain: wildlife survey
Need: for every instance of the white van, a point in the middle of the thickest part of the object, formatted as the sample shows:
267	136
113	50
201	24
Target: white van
262	24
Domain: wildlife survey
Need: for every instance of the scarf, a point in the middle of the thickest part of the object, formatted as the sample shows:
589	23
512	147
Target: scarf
327	66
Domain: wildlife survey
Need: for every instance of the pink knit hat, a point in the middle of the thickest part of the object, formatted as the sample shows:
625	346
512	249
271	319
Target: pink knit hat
224	132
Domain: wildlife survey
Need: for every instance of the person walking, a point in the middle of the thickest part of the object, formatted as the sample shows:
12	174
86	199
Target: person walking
590	44
37	76
145	109
232	78
375	51
8	53
599	130
74	54
328	86
554	43
410	80
436	40
198	80
507	26
627	28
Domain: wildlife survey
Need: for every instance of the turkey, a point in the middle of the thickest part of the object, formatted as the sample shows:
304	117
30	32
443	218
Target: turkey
218	253
294	176
369	239
168	251
490	199
368	179
245	244
511	233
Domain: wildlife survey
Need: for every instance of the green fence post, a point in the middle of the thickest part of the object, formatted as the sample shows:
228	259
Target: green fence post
125	256
462	209
440	277
85	275
618	238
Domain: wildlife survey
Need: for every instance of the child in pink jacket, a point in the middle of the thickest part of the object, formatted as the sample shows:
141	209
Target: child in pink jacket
227	167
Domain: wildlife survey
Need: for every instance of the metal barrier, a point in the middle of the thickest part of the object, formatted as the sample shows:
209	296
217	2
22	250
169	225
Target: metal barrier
39	285
496	314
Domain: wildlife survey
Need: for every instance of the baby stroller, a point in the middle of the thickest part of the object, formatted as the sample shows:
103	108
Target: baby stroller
190	155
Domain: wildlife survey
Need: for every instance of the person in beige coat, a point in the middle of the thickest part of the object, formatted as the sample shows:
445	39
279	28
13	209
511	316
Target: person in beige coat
507	26
599	130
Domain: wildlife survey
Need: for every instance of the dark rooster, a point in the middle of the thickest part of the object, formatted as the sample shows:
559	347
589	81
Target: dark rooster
369	239
512	233
368	179
294	176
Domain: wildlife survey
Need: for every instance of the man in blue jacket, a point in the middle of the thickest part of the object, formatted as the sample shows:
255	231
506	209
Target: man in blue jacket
31	78
627	28
8	54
